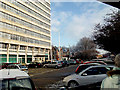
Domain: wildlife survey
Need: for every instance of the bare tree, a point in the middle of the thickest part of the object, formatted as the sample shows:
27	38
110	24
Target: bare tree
85	48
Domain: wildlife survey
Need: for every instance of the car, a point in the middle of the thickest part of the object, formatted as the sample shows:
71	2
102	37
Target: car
63	63
15	79
86	74
35	65
18	66
72	62
54	64
66	62
106	60
77	61
4	65
100	62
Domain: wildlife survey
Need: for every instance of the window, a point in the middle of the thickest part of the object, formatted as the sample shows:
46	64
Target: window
96	71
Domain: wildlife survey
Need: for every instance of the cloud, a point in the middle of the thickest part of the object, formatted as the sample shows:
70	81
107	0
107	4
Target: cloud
76	24
58	4
58	18
82	25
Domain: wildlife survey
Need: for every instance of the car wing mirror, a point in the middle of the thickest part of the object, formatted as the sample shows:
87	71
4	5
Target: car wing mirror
84	74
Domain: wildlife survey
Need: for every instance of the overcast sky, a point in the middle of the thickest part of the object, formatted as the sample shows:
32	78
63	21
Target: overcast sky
75	19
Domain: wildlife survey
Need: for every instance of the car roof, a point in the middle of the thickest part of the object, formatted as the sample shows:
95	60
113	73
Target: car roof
12	73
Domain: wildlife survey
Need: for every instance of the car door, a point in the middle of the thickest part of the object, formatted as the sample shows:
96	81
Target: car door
54	64
101	74
88	76
93	75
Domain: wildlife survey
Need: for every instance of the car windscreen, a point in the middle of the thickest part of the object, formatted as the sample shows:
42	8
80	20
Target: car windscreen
19	84
81	68
12	67
22	66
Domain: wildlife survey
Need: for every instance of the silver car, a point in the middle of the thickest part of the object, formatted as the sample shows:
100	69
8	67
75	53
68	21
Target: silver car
86	75
54	64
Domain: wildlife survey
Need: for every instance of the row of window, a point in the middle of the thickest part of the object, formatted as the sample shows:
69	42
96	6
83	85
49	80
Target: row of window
24	39
38	8
15	47
31	11
17	20
23	30
20	13
45	2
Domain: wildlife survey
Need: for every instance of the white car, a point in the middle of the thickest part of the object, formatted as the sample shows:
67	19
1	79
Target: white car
18	66
15	79
86	75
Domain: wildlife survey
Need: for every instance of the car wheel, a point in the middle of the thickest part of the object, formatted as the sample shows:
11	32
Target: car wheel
73	84
56	67
36	66
45	66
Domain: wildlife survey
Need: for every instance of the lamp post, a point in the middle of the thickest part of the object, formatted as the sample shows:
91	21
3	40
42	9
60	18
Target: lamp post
59	47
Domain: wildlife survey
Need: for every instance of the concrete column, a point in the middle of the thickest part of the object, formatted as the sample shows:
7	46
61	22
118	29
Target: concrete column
48	55
39	54
18	53
26	49
33	54
38	51
44	54
8	46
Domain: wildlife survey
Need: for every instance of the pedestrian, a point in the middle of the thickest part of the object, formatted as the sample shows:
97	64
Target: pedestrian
112	81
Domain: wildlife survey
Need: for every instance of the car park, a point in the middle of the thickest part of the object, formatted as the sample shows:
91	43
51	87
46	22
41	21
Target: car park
86	74
18	66
54	64
14	79
35	65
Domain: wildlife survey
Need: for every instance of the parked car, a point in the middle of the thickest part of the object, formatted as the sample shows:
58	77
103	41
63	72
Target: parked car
63	63
100	62
35	65
54	64
72	62
77	61
46	62
66	62
106	60
4	65
18	66
86	74
14	79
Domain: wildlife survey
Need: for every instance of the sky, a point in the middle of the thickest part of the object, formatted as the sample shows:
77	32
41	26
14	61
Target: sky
75	19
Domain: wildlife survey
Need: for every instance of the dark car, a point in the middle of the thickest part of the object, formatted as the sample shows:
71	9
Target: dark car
4	65
66	63
35	65
63	64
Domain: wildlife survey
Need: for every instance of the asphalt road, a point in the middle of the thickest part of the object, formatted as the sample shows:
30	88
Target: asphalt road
50	76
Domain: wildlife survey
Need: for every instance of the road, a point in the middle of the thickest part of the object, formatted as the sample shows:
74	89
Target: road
46	78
